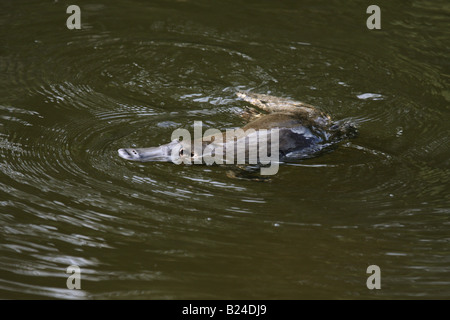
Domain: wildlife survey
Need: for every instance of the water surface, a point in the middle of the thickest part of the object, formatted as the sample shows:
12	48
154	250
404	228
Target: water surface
137	70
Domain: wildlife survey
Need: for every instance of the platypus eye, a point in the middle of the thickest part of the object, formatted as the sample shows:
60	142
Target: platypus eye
182	153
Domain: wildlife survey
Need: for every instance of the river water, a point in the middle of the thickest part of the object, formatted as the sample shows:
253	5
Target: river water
137	70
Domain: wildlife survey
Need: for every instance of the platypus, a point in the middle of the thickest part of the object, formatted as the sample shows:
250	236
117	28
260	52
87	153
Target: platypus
302	130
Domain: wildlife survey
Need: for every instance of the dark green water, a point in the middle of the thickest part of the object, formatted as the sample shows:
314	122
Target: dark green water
139	69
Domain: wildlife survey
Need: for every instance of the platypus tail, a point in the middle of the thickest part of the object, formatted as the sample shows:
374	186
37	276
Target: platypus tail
343	129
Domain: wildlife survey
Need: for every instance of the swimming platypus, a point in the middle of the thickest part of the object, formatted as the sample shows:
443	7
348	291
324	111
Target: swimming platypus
302	131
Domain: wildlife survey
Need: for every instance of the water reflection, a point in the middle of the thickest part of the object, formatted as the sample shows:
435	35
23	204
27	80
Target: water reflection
135	72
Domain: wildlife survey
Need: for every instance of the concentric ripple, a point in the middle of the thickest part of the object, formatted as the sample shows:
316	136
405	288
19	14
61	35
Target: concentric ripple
135	72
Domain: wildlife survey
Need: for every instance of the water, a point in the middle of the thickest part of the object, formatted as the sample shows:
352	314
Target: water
137	70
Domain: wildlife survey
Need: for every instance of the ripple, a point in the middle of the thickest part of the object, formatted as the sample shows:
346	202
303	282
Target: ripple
371	96
71	99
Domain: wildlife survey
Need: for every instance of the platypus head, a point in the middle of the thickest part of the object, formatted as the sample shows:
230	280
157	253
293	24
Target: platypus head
171	152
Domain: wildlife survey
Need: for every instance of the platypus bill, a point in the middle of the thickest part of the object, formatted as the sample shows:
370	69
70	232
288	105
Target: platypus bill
304	131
